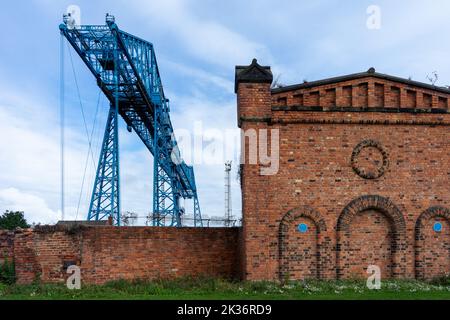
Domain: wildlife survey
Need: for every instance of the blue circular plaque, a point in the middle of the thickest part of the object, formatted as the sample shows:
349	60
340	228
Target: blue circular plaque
437	227
302	227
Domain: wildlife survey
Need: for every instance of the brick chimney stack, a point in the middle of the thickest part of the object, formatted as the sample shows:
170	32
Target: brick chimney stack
252	86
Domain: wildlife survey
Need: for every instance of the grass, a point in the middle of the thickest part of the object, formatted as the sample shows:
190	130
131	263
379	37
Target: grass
217	289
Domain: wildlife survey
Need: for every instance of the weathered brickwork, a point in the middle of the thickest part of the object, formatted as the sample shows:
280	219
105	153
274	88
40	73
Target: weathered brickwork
111	253
6	245
363	179
431	247
368	90
364	162
301	254
370	226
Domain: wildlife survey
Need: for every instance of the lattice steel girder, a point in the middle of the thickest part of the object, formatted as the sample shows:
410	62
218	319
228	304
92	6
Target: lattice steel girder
166	200
139	95
197	214
139	80
105	200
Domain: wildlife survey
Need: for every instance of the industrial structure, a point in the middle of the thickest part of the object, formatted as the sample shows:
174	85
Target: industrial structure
228	206
126	71
358	177
349	172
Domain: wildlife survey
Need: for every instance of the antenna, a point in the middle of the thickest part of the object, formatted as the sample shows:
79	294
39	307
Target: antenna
228	208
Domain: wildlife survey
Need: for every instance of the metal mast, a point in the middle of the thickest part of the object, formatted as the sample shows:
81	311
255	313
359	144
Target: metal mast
127	72
228	208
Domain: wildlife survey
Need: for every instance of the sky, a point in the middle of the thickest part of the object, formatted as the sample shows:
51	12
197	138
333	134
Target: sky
198	44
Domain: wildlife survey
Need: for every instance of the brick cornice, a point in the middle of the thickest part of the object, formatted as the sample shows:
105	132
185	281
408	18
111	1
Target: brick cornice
255	119
362	121
361	110
345	121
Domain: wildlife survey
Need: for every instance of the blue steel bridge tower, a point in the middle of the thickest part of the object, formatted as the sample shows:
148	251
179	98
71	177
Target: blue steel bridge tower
127	72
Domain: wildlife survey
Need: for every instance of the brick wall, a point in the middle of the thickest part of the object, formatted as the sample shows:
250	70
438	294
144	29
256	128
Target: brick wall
371	231
6	245
110	253
364	163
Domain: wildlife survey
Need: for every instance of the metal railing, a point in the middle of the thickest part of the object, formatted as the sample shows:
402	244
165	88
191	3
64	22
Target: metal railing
131	219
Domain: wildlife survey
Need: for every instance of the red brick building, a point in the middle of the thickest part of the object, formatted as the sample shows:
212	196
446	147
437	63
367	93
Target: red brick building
363	178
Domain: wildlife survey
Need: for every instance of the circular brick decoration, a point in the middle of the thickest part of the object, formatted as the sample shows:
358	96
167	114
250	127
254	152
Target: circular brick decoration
369	159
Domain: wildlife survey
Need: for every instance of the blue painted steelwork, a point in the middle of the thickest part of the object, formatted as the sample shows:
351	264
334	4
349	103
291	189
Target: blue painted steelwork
127	72
105	201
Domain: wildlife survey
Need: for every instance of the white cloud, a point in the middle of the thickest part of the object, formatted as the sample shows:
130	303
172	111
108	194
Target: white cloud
210	177
205	39
30	163
36	208
408	43
200	77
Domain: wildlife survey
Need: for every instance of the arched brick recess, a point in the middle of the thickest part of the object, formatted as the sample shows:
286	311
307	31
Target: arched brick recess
432	250
287	240
373	205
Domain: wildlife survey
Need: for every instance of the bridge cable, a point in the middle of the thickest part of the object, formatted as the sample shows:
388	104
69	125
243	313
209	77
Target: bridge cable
97	143
88	153
62	123
81	105
88	135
